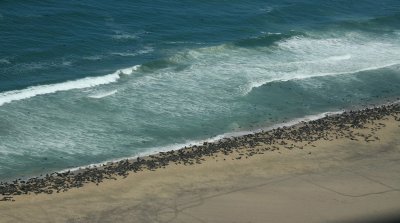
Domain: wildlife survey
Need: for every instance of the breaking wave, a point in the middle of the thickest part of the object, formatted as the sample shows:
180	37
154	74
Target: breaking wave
16	95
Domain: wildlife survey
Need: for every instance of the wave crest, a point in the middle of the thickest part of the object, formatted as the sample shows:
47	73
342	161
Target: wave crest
257	84
16	95
307	57
103	94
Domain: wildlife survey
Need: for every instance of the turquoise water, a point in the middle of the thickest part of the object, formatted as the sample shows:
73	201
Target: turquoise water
89	81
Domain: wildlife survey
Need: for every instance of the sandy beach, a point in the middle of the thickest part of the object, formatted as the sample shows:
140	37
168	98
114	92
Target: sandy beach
200	111
331	179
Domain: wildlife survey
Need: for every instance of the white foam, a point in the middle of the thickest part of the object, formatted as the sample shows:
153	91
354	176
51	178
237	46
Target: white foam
103	94
4	61
124	54
66	63
271	33
257	84
97	57
184	42
238	70
317	61
16	95
339	58
299	58
145	50
124	36
267	9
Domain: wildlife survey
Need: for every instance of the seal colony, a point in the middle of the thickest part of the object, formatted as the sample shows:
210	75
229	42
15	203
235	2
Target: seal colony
293	137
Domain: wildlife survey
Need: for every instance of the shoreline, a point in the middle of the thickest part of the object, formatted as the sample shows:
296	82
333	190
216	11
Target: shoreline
243	146
190	143
320	178
216	138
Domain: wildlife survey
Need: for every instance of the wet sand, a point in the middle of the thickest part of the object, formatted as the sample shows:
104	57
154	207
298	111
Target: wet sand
334	174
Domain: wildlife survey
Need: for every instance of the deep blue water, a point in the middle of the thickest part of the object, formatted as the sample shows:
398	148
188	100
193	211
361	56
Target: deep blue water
84	82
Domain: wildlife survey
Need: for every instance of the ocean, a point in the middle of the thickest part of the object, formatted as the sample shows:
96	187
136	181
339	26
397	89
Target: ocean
86	82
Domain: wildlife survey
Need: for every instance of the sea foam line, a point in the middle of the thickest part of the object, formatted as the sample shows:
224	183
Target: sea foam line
257	84
16	95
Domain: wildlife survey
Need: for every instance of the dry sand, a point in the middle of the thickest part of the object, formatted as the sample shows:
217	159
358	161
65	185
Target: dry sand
329	181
